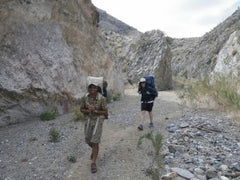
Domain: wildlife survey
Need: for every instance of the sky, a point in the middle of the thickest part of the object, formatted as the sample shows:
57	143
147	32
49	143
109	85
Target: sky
176	18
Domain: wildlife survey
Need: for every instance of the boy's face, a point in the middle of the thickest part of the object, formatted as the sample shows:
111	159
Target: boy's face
92	89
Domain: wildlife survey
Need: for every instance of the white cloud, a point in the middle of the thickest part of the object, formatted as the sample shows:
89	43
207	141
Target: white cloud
177	18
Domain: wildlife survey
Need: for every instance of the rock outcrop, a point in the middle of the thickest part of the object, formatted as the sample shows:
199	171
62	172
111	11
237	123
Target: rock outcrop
150	54
139	54
228	58
190	57
47	49
197	57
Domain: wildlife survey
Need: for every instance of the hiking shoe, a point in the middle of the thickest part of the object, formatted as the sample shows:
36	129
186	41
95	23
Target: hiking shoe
150	125
93	168
140	127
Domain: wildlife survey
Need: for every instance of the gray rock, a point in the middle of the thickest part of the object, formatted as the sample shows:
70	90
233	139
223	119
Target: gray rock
182	172
47	50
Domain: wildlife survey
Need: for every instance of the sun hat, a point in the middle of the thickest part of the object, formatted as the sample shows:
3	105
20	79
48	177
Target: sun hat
96	81
142	80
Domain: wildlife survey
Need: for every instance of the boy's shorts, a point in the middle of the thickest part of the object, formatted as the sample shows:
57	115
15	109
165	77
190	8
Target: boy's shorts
146	106
90	135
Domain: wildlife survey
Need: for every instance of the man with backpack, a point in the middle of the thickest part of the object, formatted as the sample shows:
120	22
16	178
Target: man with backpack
94	107
148	95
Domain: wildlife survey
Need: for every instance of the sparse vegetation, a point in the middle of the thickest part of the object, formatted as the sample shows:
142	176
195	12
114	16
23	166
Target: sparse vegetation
116	97
113	97
72	159
48	115
219	91
54	135
156	141
78	115
157	144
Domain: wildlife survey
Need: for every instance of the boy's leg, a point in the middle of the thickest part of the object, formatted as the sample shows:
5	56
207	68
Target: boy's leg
95	149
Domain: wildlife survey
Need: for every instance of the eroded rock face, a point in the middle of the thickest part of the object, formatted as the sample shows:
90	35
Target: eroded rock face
197	57
229	55
47	49
150	54
138	54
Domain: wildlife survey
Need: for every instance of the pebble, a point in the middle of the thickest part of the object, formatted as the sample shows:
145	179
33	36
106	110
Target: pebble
203	146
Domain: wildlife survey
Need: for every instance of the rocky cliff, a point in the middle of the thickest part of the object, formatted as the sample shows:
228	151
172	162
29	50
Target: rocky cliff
197	57
138	54
141	54
47	49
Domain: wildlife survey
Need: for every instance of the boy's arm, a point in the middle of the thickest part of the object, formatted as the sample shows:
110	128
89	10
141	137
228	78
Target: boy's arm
104	110
83	108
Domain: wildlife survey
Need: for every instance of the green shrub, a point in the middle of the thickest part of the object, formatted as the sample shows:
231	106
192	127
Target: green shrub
47	116
116	97
108	99
157	144
78	115
54	135
113	97
72	159
156	141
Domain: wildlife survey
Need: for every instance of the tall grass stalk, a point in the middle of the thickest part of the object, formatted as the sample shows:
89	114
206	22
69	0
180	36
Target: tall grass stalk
157	144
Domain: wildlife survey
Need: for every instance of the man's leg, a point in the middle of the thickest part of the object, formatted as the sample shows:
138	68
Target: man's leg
142	117
151	116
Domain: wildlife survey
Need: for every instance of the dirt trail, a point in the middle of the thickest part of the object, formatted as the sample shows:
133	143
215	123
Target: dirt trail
119	157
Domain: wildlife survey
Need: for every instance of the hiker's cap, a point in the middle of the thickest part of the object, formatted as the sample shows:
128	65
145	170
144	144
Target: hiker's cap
96	81
142	80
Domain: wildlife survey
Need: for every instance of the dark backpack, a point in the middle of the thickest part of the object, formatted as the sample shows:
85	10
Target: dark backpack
151	83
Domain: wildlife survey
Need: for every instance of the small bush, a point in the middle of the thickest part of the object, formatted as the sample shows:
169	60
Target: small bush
154	173
108	99
72	159
157	144
47	116
156	141
78	115
116	97
54	135
113	97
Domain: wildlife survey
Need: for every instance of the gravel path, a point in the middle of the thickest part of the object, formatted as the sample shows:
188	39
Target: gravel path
26	152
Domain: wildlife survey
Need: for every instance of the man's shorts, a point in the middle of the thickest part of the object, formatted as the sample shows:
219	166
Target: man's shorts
146	106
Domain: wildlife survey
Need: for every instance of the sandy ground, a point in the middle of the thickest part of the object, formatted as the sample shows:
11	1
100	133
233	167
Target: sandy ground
119	156
26	153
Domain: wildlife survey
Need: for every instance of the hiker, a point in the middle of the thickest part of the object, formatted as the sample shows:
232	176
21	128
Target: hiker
147	99
94	107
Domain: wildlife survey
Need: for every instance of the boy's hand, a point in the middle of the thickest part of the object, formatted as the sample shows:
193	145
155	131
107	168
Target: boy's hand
91	108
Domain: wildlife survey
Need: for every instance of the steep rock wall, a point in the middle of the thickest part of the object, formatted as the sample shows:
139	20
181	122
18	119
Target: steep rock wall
150	55
197	57
138	54
47	49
